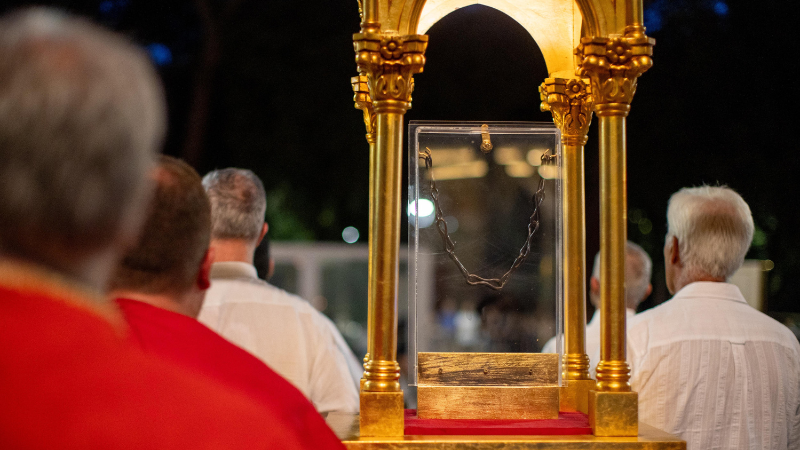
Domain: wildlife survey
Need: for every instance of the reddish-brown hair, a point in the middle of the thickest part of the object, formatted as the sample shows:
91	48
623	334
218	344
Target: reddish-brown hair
175	236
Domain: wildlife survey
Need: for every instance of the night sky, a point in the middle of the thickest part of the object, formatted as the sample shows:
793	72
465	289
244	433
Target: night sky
266	85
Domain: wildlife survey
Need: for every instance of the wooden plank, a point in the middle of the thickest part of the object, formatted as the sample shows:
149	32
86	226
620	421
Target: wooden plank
487	369
487	402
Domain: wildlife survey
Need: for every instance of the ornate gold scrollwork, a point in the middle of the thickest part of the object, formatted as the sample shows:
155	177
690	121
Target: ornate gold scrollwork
390	62
363	102
614	64
571	102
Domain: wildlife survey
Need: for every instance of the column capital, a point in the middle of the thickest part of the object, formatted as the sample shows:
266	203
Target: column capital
390	62
570	101
614	64
363	101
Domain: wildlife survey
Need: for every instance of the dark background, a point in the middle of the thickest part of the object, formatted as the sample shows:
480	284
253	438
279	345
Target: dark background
265	85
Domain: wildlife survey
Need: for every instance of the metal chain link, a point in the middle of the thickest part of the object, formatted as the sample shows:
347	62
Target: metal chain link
450	247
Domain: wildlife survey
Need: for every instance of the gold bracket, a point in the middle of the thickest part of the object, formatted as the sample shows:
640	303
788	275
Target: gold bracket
363	102
486	139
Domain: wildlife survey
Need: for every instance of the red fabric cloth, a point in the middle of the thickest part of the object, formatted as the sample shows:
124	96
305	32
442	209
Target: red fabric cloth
191	344
566	424
70	379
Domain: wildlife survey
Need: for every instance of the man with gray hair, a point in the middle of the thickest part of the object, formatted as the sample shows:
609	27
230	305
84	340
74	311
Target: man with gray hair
638	269
81	118
281	329
707	366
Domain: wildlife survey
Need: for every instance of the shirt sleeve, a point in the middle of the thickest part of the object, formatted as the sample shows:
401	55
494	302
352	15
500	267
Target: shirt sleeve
637	344
794	432
332	387
355	367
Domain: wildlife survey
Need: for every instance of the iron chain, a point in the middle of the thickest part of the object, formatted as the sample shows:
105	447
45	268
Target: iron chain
450	247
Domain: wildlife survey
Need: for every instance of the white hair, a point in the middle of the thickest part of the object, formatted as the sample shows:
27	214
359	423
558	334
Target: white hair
82	115
638	270
714	228
238	203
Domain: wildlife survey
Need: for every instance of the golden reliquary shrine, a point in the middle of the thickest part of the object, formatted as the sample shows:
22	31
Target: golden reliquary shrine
496	224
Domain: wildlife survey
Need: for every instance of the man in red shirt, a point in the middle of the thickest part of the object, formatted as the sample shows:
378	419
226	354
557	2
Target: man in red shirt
160	286
81	117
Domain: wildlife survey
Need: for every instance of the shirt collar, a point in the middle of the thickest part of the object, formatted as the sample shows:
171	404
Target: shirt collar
711	290
233	270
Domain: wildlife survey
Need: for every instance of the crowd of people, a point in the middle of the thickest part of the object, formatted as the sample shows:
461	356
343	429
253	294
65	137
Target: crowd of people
131	315
106	253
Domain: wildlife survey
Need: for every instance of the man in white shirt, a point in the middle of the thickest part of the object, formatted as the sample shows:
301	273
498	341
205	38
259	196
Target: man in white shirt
281	329
707	366
638	269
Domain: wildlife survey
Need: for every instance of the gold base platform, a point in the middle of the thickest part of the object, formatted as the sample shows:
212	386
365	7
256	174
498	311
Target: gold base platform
346	428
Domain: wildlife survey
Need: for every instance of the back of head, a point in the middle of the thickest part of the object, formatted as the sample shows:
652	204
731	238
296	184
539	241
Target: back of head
638	270
238	204
175	236
714	228
81	117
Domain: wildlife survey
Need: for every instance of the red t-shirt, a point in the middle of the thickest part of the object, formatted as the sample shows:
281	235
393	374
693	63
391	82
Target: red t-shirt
71	379
191	344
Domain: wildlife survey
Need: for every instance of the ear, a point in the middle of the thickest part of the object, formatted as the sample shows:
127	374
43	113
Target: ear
204	275
594	285
648	292
271	269
264	229
675	252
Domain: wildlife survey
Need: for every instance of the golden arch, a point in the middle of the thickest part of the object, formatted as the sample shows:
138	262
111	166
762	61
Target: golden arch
555	25
599	18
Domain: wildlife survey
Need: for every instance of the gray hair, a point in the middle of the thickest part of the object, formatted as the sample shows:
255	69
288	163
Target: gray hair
238	203
638	270
714	228
82	115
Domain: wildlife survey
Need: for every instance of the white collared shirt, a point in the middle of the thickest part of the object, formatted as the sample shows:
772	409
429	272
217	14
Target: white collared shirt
716	372
592	339
285	332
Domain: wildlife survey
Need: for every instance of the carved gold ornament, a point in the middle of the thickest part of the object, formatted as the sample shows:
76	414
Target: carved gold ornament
390	61
570	102
363	102
391	48
614	64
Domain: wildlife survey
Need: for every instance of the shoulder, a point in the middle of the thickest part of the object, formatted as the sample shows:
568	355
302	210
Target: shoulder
221	412
251	290
109	392
781	333
643	320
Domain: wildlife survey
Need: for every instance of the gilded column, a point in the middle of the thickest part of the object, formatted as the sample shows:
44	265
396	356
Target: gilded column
571	101
613	64
389	62
364	102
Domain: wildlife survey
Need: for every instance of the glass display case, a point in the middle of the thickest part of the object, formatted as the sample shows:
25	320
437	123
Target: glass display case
485	290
